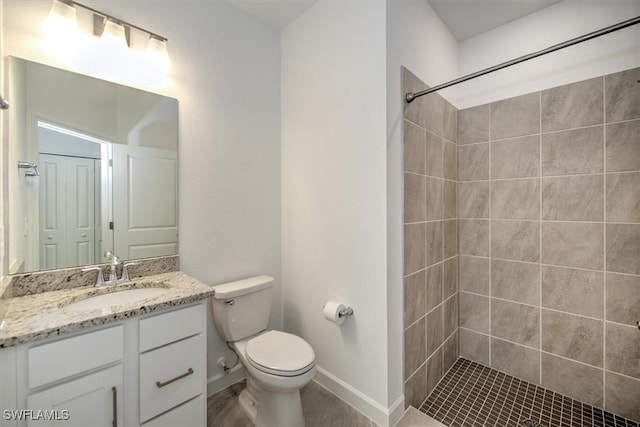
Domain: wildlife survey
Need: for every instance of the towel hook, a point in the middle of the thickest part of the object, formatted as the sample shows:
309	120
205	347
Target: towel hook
27	165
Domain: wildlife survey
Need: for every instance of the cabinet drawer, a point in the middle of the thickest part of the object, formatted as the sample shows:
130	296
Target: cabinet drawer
70	356
169	327
171	375
191	414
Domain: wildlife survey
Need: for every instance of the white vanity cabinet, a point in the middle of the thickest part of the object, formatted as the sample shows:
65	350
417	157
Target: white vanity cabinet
148	370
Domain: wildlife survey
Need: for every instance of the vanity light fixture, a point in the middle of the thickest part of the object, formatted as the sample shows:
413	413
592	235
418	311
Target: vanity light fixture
62	20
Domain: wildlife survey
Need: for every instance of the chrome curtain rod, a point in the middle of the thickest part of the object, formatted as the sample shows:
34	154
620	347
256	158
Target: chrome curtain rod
409	97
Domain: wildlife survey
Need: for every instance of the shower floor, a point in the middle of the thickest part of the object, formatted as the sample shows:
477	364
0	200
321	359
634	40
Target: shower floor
473	395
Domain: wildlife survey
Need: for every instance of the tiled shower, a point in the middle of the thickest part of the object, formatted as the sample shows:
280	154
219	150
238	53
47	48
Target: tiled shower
548	225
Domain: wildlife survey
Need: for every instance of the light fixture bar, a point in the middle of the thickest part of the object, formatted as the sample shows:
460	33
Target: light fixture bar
118	21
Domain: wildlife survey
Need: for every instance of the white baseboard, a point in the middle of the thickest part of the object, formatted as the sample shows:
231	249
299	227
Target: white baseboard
221	381
384	417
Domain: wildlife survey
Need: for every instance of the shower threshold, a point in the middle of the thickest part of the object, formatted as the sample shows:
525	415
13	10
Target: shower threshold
474	395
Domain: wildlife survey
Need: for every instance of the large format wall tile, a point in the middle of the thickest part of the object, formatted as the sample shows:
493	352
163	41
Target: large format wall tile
450	161
515	322
414	111
573	198
473	237
450	352
434	242
623	95
474	346
450	277
573	379
434	286
434	155
571	152
473	199
516	240
515	199
474	274
414	248
515	116
450	236
623	197
414	341
450	315
516	360
623	349
623	146
414	197
515	158
473	162
575	337
572	244
450	122
415	388
474	312
623	248
414	297
515	281
450	197
623	298
573	291
473	124
573	105
622	395
434	370
435	188
434	330
414	148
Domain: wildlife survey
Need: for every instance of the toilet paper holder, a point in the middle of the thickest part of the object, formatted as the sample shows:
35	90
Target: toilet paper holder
346	312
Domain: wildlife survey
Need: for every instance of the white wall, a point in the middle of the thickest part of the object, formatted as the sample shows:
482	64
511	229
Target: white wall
226	76
334	241
555	24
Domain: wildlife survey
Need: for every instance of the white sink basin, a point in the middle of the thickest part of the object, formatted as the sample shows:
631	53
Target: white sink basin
122	297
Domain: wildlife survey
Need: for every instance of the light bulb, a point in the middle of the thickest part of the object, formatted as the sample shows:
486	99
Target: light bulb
61	29
158	55
114	37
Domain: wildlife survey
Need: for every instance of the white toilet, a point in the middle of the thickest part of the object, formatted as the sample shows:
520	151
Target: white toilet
277	364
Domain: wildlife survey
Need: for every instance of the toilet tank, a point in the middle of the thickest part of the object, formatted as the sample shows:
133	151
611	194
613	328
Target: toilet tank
242	308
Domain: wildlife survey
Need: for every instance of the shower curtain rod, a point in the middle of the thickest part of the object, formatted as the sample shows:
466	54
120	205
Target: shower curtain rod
409	97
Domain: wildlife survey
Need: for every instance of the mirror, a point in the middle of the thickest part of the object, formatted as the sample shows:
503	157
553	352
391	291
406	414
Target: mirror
92	166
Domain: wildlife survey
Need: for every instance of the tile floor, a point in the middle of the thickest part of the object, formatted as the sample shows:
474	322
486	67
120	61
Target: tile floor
473	395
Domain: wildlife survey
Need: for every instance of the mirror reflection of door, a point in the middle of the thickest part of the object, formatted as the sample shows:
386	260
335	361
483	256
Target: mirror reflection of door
70	205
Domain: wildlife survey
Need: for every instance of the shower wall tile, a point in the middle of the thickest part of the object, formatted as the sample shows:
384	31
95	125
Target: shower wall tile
515	240
434	242
433	111
474	346
434	155
415	297
414	248
473	199
415	192
473	124
623	197
623	146
473	237
434	330
517	116
450	235
515	199
573	291
575	337
623	247
435	189
450	122
434	370
414	148
515	322
572	244
415	388
474	274
450	195
516	360
573	198
622	395
473	162
570	152
623	95
414	111
474	312
623	298
434	286
450	277
414	341
515	281
623	349
450	352
573	379
515	158
450	314
450	161
573	105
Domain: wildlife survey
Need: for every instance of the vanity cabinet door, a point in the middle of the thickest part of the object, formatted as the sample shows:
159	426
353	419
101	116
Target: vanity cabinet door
94	400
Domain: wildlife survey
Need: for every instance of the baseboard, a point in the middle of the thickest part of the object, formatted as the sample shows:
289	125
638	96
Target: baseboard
384	417
221	381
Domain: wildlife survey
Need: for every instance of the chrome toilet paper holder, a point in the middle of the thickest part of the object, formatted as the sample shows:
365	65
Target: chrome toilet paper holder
346	312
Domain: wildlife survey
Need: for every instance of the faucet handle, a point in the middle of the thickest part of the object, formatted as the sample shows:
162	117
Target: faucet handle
125	270
100	279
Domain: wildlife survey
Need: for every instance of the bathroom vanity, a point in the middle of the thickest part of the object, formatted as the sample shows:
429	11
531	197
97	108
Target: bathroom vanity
140	363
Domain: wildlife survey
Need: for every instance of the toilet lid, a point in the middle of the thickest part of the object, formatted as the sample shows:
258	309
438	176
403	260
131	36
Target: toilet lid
280	353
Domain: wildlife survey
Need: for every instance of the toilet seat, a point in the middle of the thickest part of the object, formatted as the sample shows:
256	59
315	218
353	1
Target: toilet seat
280	353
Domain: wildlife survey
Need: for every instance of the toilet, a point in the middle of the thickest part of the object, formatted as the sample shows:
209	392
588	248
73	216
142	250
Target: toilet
277	364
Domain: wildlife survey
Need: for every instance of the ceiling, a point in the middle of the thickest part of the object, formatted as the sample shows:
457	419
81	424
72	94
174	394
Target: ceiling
275	13
468	18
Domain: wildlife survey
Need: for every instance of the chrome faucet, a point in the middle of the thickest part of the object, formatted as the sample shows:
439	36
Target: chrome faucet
114	261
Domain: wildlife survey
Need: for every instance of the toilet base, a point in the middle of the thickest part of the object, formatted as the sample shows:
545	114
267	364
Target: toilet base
273	409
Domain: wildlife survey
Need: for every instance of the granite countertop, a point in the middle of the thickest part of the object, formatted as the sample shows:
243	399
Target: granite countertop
33	317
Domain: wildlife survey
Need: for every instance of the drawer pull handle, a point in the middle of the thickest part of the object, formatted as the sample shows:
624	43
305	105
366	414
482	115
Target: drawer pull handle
114	395
186	374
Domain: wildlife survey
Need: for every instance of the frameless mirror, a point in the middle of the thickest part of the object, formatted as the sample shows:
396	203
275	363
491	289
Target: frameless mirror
92	166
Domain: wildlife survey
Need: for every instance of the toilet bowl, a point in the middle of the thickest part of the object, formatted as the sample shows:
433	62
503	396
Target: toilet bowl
277	364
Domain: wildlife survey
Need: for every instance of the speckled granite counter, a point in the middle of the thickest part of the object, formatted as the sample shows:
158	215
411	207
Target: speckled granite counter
34	317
